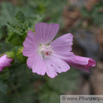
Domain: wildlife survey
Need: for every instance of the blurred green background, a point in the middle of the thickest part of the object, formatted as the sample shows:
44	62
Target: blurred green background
84	19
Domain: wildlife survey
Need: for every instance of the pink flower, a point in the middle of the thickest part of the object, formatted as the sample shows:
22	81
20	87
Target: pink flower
82	63
5	62
45	55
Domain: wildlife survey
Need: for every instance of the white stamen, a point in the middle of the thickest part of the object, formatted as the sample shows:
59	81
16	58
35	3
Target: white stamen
45	50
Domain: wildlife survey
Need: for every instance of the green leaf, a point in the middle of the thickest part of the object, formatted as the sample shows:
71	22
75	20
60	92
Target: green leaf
26	95
19	55
49	97
64	82
13	29
7	13
52	88
20	74
4	75
15	39
7	47
20	16
10	55
0	45
3	87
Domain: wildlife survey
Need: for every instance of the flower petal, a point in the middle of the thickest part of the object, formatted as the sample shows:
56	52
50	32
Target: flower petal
45	33
82	63
50	71
1	68
5	62
37	64
62	46
30	60
54	65
30	44
4	58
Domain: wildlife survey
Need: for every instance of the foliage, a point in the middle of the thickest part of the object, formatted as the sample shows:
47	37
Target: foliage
17	83
3	87
7	17
94	14
53	88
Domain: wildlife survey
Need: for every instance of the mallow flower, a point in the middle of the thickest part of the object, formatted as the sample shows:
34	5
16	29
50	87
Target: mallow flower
46	55
5	62
82	63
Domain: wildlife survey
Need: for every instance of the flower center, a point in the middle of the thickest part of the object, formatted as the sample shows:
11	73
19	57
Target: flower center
45	50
